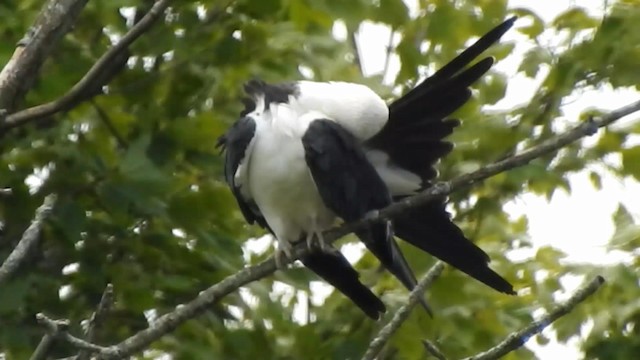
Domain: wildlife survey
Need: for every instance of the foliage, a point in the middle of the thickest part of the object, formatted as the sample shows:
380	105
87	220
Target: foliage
142	203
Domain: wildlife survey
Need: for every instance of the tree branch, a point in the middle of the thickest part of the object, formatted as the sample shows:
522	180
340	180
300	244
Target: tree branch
59	329
42	351
520	337
433	350
168	322
353	39
89	81
53	328
106	301
402	314
55	19
106	120
30	239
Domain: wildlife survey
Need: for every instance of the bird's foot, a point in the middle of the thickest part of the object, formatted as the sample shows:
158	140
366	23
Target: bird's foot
371	215
284	253
442	188
315	238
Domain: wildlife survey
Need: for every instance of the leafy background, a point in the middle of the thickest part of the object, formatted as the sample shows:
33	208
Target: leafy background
142	203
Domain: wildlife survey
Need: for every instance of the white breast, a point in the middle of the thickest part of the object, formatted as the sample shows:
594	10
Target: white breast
279	180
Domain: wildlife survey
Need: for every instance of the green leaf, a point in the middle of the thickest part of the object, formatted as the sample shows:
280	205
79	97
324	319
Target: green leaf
574	19
627	232
537	25
392	12
631	161
533	61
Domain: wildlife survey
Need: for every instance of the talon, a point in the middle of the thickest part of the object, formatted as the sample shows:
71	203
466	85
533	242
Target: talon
317	239
442	188
591	127
320	241
372	215
283	254
310	241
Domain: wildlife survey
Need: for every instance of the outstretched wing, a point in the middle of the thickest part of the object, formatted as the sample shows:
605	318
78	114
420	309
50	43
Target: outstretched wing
411	143
350	186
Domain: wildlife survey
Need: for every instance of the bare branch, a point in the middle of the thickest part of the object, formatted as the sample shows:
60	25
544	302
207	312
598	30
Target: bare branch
389	52
433	350
42	351
353	38
402	314
53	326
55	19
29	239
520	337
53	329
58	329
168	322
106	301
88	82
106	120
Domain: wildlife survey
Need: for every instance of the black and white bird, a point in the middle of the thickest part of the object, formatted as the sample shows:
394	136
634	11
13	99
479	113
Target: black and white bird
304	155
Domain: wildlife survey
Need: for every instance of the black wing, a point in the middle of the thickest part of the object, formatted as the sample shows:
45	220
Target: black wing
235	143
414	140
350	186
332	266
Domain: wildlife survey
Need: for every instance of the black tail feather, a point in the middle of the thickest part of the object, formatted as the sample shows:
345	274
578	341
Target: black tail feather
455	65
334	268
387	251
432	100
429	228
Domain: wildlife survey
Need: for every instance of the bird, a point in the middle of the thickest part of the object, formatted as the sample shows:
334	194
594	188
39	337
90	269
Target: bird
305	155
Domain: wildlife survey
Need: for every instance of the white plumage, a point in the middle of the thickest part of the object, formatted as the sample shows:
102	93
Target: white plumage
279	179
354	106
274	173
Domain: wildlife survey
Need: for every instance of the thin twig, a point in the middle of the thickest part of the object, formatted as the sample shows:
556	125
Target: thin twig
519	338
29	240
106	120
353	38
167	322
106	301
53	328
59	329
402	314
388	54
433	350
77	92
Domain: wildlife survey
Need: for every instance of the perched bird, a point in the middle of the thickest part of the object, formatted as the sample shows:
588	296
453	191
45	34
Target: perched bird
305	154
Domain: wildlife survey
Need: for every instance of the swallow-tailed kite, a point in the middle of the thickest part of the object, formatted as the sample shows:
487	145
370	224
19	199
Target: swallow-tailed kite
305	154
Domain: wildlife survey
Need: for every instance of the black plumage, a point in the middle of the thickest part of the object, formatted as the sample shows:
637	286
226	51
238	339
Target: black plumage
414	139
350	186
334	268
